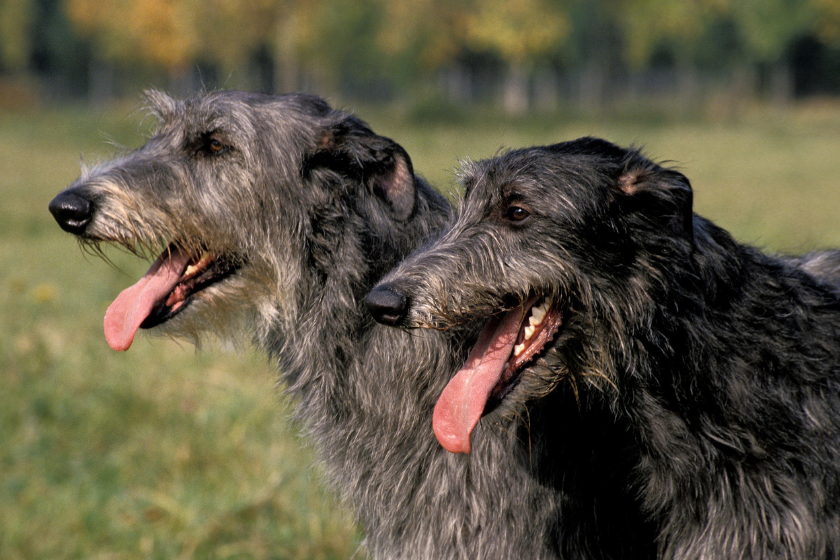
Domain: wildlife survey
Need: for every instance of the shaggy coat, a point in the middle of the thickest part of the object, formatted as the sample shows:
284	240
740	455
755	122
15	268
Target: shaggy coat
722	363
275	215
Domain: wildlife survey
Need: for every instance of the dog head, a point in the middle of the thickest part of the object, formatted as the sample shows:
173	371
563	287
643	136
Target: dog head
559	248
248	201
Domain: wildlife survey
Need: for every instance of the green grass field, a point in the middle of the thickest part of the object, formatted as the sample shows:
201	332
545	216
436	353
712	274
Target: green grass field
162	452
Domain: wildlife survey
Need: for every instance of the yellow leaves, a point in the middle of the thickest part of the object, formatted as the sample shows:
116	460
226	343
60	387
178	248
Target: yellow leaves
174	33
88	15
229	31
155	30
412	36
516	29
828	22
435	38
401	23
15	42
647	21
162	32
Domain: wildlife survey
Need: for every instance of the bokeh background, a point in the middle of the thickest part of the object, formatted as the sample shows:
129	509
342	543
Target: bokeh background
165	452
518	54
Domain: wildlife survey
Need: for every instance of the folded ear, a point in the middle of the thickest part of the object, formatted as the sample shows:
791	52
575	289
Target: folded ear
350	148
662	196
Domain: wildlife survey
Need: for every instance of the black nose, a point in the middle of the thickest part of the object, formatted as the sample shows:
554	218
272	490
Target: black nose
72	211
387	305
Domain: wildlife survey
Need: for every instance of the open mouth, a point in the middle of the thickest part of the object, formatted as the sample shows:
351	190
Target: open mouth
506	346
163	292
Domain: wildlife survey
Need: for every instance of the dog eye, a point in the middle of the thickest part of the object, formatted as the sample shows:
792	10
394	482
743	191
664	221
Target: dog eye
215	147
212	145
516	213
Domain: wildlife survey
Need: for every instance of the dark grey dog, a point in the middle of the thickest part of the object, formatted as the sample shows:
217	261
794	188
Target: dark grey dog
605	294
275	215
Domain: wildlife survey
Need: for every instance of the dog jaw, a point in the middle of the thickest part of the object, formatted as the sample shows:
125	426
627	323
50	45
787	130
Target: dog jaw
163	292
505	347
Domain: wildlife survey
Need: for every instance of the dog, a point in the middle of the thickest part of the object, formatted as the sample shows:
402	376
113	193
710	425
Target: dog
606	294
274	216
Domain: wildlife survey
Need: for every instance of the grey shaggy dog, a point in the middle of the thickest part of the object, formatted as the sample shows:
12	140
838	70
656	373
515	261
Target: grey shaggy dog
608	297
274	216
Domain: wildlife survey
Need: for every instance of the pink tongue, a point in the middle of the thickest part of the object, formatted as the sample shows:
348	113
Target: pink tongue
462	402
133	305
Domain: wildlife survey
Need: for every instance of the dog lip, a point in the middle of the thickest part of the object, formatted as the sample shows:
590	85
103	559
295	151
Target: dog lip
201	272
546	329
490	370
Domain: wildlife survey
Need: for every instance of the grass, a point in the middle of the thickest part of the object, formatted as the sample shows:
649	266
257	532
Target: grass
162	452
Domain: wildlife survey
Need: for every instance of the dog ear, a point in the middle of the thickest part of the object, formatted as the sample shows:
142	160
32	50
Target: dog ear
351	148
395	183
660	194
160	104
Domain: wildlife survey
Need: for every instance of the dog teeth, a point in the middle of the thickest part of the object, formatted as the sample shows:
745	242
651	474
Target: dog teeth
538	312
200	264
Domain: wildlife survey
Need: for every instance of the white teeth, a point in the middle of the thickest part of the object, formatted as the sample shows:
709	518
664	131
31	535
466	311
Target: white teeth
201	263
534	321
537	315
538	312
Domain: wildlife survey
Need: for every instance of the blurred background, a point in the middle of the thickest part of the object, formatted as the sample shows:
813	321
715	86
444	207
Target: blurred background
517	54
163	452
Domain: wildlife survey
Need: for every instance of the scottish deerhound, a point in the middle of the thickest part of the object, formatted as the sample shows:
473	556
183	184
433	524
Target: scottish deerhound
276	215
607	294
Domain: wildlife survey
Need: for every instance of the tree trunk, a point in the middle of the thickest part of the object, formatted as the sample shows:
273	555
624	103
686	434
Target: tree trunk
457	84
781	83
689	86
285	71
592	88
101	82
546	90
515	93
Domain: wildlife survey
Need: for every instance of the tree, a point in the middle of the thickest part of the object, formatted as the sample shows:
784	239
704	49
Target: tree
767	29
175	34
15	37
676	28
519	32
827	21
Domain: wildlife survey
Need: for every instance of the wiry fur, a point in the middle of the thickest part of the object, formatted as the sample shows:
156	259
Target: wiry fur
721	362
315	208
